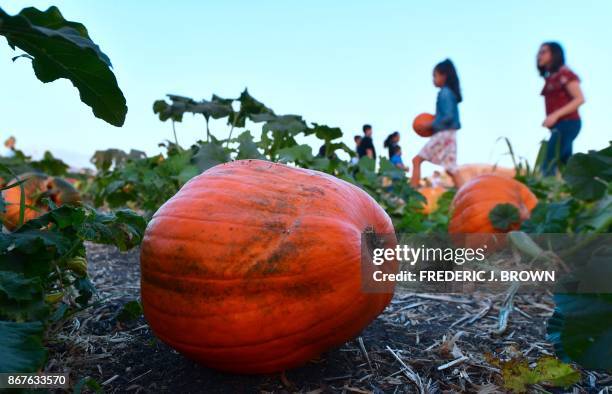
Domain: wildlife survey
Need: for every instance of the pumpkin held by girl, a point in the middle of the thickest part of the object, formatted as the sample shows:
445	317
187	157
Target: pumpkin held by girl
422	124
255	267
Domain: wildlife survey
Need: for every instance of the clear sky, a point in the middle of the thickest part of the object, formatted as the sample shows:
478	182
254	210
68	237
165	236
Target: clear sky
336	63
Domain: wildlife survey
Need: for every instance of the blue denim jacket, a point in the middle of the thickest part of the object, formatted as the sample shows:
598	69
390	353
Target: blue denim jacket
447	111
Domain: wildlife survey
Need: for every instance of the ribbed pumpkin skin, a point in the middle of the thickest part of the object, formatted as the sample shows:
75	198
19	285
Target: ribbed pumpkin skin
254	267
471	205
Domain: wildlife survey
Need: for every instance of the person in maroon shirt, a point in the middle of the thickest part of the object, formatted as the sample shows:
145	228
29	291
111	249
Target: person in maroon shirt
562	97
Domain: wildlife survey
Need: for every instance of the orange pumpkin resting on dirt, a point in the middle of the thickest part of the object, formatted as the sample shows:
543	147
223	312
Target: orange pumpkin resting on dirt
474	201
254	267
431	194
422	124
37	187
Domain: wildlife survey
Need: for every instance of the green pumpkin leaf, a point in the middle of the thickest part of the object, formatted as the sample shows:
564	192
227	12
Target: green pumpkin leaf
122	228
548	218
21	298
131	310
249	107
588	174
21	347
290	124
388	169
504	217
167	111
210	154
596	218
51	165
294	154
210	109
63	49
581	329
326	133
247	148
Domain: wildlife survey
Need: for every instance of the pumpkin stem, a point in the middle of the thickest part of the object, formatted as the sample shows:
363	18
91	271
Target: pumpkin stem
372	240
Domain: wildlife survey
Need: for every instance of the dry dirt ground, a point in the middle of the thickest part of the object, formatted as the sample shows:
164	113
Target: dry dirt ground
421	343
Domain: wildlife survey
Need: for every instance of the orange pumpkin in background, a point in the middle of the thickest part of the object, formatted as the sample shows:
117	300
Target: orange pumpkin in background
255	267
422	124
37	187
431	194
467	172
474	201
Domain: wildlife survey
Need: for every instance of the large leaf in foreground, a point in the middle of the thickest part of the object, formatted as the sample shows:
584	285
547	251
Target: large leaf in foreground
581	329
21	298
21	347
63	49
588	174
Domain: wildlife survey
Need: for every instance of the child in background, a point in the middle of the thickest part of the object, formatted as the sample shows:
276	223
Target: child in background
396	158
563	96
391	141
441	148
355	159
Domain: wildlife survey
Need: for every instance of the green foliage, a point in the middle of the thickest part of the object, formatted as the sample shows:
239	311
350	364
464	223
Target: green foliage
43	273
50	165
59	48
21	347
549	217
504	216
580	203
20	164
588	175
581	329
132	310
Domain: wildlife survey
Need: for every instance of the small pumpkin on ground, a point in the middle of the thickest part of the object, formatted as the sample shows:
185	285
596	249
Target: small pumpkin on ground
431	194
474	201
255	267
37	187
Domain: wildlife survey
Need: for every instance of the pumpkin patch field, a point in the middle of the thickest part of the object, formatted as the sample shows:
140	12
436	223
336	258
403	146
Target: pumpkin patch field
236	263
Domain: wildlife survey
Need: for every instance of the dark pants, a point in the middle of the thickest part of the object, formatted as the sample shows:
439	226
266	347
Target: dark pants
559	146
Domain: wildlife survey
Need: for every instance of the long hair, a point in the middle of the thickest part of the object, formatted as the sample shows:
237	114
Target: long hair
389	139
558	59
447	68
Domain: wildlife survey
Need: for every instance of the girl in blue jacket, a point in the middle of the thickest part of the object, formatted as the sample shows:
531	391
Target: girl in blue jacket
441	149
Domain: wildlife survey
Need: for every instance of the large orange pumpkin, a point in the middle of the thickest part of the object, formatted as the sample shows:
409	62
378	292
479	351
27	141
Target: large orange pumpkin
422	124
431	194
254	267
37	187
467	172
474	201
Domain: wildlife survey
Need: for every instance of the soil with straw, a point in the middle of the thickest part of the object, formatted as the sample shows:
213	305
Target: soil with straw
421	343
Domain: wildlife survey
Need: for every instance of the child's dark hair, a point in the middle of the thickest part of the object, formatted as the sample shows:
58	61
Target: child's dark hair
395	150
389	138
558	59
366	127
447	68
357	138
